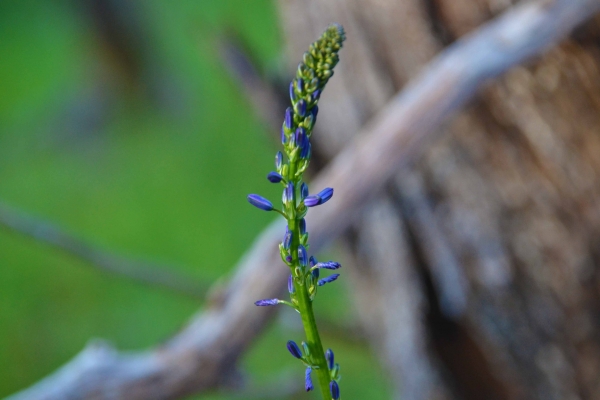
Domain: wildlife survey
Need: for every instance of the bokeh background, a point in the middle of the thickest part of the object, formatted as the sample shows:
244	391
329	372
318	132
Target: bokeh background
122	126
139	127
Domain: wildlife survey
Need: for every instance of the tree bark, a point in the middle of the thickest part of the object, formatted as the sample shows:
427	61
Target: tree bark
488	285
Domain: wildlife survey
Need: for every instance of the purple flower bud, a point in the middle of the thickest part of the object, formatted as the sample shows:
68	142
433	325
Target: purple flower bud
300	85
288	193
311	201
291	288
308	385
292	92
303	191
267	302
316	94
260	202
329	279
289	118
329	265
312	261
325	195
330	358
278	160
302	226
302	256
293	140
288	258
301	108
315	112
335	390
287	239
294	349
274	177
283	137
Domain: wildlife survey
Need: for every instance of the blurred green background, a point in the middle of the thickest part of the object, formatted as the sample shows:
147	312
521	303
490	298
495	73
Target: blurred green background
146	150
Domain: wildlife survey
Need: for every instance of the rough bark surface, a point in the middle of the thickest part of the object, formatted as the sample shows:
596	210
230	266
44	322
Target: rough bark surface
480	262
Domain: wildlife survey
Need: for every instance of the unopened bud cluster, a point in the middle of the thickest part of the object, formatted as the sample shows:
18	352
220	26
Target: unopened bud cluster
305	91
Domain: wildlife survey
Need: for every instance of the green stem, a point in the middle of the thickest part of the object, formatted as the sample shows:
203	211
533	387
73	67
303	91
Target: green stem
305	304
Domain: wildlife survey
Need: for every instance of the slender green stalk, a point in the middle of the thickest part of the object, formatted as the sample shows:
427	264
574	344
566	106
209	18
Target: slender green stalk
304	303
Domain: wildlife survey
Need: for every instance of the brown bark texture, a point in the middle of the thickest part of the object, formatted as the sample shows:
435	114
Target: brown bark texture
477	272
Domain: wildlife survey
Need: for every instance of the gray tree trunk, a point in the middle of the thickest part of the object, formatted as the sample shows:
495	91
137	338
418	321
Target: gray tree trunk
476	273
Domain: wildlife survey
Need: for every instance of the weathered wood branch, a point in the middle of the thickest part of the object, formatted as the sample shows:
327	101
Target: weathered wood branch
199	356
134	269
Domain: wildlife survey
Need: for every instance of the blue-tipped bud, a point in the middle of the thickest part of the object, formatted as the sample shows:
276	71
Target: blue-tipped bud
293	140
312	261
300	85
303	191
278	160
329	265
302	256
288	194
316	94
274	177
315	273
312	201
294	349
260	202
267	302
335	390
325	195
315	112
302	226
287	239
301	138
301	108
291	288
283	137
288	259
330	358
305	153
308	385
289	118
292	92
329	279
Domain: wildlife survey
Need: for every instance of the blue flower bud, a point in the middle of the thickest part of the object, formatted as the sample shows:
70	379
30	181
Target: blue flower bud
292	92
288	258
330	358
312	201
294	349
274	177
316	94
260	202
301	108
335	390
315	273
329	279
302	226
301	137
267	302
329	265
300	85
287	239
303	191
302	256
325	195
289	118
288	193
305	153
315	111
312	261
308	385
293	140
283	137
278	160
291	288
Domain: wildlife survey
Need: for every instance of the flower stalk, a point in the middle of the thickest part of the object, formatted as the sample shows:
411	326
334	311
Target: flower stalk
305	91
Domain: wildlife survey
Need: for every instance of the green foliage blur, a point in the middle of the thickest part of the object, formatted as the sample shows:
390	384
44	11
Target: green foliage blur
157	167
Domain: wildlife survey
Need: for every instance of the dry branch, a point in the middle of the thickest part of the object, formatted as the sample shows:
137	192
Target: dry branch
199	356
136	270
